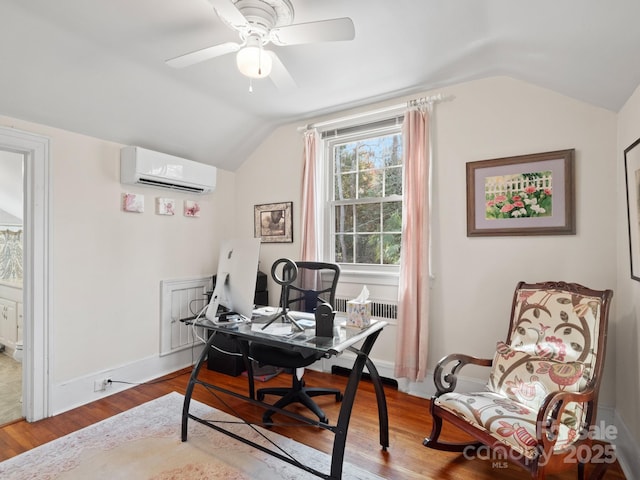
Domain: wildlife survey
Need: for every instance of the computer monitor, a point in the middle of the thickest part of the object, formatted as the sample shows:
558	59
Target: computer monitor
236	278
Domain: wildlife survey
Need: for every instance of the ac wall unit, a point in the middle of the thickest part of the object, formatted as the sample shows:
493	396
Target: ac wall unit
139	166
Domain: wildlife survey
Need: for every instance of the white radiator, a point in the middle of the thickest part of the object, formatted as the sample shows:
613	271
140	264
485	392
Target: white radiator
379	308
180	300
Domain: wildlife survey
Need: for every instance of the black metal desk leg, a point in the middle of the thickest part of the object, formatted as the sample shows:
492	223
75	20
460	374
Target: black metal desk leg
383	415
192	383
244	349
350	391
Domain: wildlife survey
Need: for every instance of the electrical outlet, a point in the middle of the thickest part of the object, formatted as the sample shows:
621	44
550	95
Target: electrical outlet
101	385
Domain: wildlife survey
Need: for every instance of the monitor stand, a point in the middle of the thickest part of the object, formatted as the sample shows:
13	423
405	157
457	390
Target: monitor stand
219	290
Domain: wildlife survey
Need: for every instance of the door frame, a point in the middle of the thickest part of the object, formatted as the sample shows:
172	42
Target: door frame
37	269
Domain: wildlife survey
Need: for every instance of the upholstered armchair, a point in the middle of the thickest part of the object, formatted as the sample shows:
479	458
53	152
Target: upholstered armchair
539	406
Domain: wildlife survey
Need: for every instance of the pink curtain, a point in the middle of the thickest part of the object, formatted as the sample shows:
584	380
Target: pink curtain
413	287
309	234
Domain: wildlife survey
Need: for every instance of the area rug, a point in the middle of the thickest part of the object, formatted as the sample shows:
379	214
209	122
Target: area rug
144	443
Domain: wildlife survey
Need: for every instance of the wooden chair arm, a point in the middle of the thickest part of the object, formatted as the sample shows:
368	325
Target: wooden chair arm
446	381
550	415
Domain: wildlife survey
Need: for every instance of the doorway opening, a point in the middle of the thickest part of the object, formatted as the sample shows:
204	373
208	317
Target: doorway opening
37	278
11	277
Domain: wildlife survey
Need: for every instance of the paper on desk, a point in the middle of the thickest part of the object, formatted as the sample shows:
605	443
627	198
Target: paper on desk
276	328
263	311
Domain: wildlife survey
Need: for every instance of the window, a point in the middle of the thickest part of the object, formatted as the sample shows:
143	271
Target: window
364	175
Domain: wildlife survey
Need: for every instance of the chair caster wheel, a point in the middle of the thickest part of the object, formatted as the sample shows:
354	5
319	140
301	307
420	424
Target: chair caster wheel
260	396
339	397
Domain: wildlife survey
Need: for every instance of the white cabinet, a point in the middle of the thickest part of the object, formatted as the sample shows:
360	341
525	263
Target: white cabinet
11	314
20	321
8	322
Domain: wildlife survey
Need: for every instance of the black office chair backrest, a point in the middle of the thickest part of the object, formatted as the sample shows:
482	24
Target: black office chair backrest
316	283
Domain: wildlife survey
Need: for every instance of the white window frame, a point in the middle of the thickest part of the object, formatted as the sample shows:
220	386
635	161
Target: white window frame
357	273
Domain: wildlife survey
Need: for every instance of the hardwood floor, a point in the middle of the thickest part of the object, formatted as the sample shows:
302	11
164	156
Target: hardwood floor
409	421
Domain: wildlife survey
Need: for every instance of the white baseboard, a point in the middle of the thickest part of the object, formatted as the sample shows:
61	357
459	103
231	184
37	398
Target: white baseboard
80	391
627	449
385	369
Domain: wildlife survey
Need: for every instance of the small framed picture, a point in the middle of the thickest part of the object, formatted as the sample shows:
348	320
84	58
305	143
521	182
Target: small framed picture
273	222
523	195
165	206
133	202
191	208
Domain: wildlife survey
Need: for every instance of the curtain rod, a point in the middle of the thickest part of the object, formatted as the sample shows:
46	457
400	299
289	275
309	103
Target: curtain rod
416	102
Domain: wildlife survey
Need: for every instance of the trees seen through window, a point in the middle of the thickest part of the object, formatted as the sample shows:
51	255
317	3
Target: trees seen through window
367	200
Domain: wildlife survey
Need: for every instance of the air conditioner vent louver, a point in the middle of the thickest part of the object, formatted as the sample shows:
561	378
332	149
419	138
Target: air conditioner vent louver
156	183
139	166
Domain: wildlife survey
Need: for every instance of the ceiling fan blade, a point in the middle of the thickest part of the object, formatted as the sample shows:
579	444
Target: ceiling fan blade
279	75
203	54
322	31
228	12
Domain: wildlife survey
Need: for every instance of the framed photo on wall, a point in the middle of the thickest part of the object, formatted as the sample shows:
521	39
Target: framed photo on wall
632	177
523	195
273	222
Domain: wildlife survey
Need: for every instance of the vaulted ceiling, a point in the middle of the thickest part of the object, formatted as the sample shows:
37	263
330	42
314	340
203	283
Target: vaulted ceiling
98	67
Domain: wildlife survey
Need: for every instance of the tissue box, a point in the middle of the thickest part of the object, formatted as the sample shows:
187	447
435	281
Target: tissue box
358	314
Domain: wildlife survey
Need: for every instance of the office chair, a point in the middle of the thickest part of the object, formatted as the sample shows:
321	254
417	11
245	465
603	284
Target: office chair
314	284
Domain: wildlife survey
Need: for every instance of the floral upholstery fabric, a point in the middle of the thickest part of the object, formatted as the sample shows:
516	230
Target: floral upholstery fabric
528	379
558	325
508	421
551	347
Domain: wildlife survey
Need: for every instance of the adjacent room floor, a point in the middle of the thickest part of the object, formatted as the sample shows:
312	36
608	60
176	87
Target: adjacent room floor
10	389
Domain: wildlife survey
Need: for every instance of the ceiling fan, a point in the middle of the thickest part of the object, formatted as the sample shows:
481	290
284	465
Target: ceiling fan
260	22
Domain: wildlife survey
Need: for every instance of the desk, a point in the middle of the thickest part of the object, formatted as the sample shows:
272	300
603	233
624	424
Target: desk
344	339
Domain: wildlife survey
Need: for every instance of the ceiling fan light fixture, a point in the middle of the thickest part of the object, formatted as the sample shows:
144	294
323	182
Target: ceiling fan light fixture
254	62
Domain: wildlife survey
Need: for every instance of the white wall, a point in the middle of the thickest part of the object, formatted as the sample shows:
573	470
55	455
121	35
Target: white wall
272	174
501	117
108	264
628	290
475	277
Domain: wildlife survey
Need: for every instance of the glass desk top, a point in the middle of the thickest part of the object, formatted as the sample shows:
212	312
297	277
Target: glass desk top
283	334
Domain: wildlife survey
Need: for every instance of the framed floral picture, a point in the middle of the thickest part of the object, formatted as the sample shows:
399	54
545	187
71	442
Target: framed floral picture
165	206
632	176
273	222
524	195
191	208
